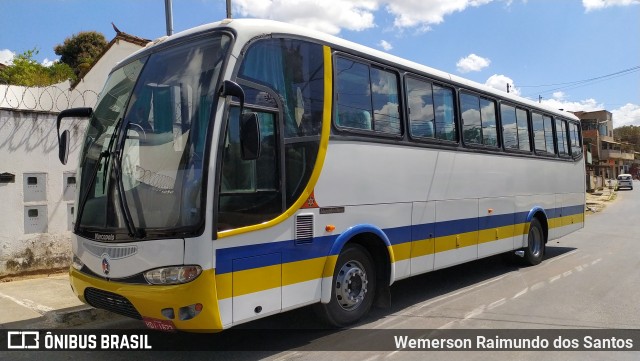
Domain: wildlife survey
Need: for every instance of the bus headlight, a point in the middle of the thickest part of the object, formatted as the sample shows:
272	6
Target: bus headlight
76	263
172	275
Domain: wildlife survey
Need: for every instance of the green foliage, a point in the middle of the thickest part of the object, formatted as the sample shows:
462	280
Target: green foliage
27	72
80	50
628	134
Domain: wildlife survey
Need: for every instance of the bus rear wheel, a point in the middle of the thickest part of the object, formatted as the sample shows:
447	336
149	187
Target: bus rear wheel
353	287
534	251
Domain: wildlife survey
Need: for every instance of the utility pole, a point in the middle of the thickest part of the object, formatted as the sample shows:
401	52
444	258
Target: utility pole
539	98
228	9
168	12
508	86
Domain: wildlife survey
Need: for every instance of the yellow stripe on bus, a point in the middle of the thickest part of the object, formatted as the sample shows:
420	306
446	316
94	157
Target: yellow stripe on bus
455	241
302	271
495	234
401	251
256	279
422	247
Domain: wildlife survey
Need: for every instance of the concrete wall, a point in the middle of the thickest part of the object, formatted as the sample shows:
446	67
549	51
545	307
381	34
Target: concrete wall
52	98
36	205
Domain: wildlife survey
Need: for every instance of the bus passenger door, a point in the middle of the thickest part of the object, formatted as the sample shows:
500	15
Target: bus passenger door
456	232
257	286
249	194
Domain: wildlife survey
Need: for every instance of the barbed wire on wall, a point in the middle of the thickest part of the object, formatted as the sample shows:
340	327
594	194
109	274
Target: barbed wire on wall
53	98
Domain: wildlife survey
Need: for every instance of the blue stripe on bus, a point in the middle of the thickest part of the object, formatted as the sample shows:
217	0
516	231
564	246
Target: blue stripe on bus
571	210
398	235
290	251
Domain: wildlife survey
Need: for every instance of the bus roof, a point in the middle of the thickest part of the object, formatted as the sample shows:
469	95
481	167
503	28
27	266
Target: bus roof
247	29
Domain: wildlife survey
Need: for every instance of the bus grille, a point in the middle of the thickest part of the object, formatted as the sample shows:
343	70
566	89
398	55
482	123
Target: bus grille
304	228
111	302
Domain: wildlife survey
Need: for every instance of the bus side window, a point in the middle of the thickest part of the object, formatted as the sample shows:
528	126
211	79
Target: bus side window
509	126
538	133
548	134
561	137
421	113
522	121
471	123
515	128
574	135
354	95
385	100
293	69
367	97
284	76
445	115
489	131
479	120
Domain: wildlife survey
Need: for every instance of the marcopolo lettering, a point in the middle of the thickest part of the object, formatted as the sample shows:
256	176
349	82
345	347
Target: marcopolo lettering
104	237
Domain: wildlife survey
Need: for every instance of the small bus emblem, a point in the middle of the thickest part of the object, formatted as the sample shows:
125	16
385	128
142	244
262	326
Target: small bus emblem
106	267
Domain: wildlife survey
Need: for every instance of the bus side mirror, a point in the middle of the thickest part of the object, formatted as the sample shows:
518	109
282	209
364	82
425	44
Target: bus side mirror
230	88
63	147
63	140
250	136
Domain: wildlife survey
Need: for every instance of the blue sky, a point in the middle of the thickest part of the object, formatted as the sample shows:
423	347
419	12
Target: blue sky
575	54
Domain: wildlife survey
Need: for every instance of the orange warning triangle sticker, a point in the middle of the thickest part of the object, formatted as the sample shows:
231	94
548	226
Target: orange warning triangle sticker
310	202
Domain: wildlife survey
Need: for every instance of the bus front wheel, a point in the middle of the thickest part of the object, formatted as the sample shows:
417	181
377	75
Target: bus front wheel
534	251
353	287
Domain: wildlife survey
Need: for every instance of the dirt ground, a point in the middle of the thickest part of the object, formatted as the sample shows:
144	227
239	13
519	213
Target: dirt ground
34	274
598	200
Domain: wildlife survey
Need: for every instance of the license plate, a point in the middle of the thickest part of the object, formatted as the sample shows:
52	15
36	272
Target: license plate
162	325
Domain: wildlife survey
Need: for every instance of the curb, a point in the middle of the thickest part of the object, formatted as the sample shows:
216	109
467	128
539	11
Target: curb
76	316
64	318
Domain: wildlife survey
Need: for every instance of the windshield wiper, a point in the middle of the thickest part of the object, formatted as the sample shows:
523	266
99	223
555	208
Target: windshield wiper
106	154
134	232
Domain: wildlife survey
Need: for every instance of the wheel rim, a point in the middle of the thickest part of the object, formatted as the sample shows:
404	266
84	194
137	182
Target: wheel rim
351	285
535	241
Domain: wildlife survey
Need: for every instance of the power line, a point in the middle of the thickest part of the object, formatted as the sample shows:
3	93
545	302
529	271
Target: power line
584	82
630	70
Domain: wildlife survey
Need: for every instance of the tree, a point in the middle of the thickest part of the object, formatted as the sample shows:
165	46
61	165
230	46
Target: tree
25	71
80	50
628	134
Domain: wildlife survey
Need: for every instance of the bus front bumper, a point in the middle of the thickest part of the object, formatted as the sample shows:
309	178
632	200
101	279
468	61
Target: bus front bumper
193	305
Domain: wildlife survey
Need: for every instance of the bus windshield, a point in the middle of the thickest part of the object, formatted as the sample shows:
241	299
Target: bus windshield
142	163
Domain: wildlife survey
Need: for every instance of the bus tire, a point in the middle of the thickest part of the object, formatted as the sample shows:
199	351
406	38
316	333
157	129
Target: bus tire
353	287
534	251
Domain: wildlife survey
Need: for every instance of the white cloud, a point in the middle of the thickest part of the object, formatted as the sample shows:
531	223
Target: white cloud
590	5
46	62
385	45
6	56
587	105
472	62
331	16
411	13
558	95
500	82
628	114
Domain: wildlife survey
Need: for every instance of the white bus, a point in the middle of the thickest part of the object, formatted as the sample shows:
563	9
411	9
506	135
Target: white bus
249	167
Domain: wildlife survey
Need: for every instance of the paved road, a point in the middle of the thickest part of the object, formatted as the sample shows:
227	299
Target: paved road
589	280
